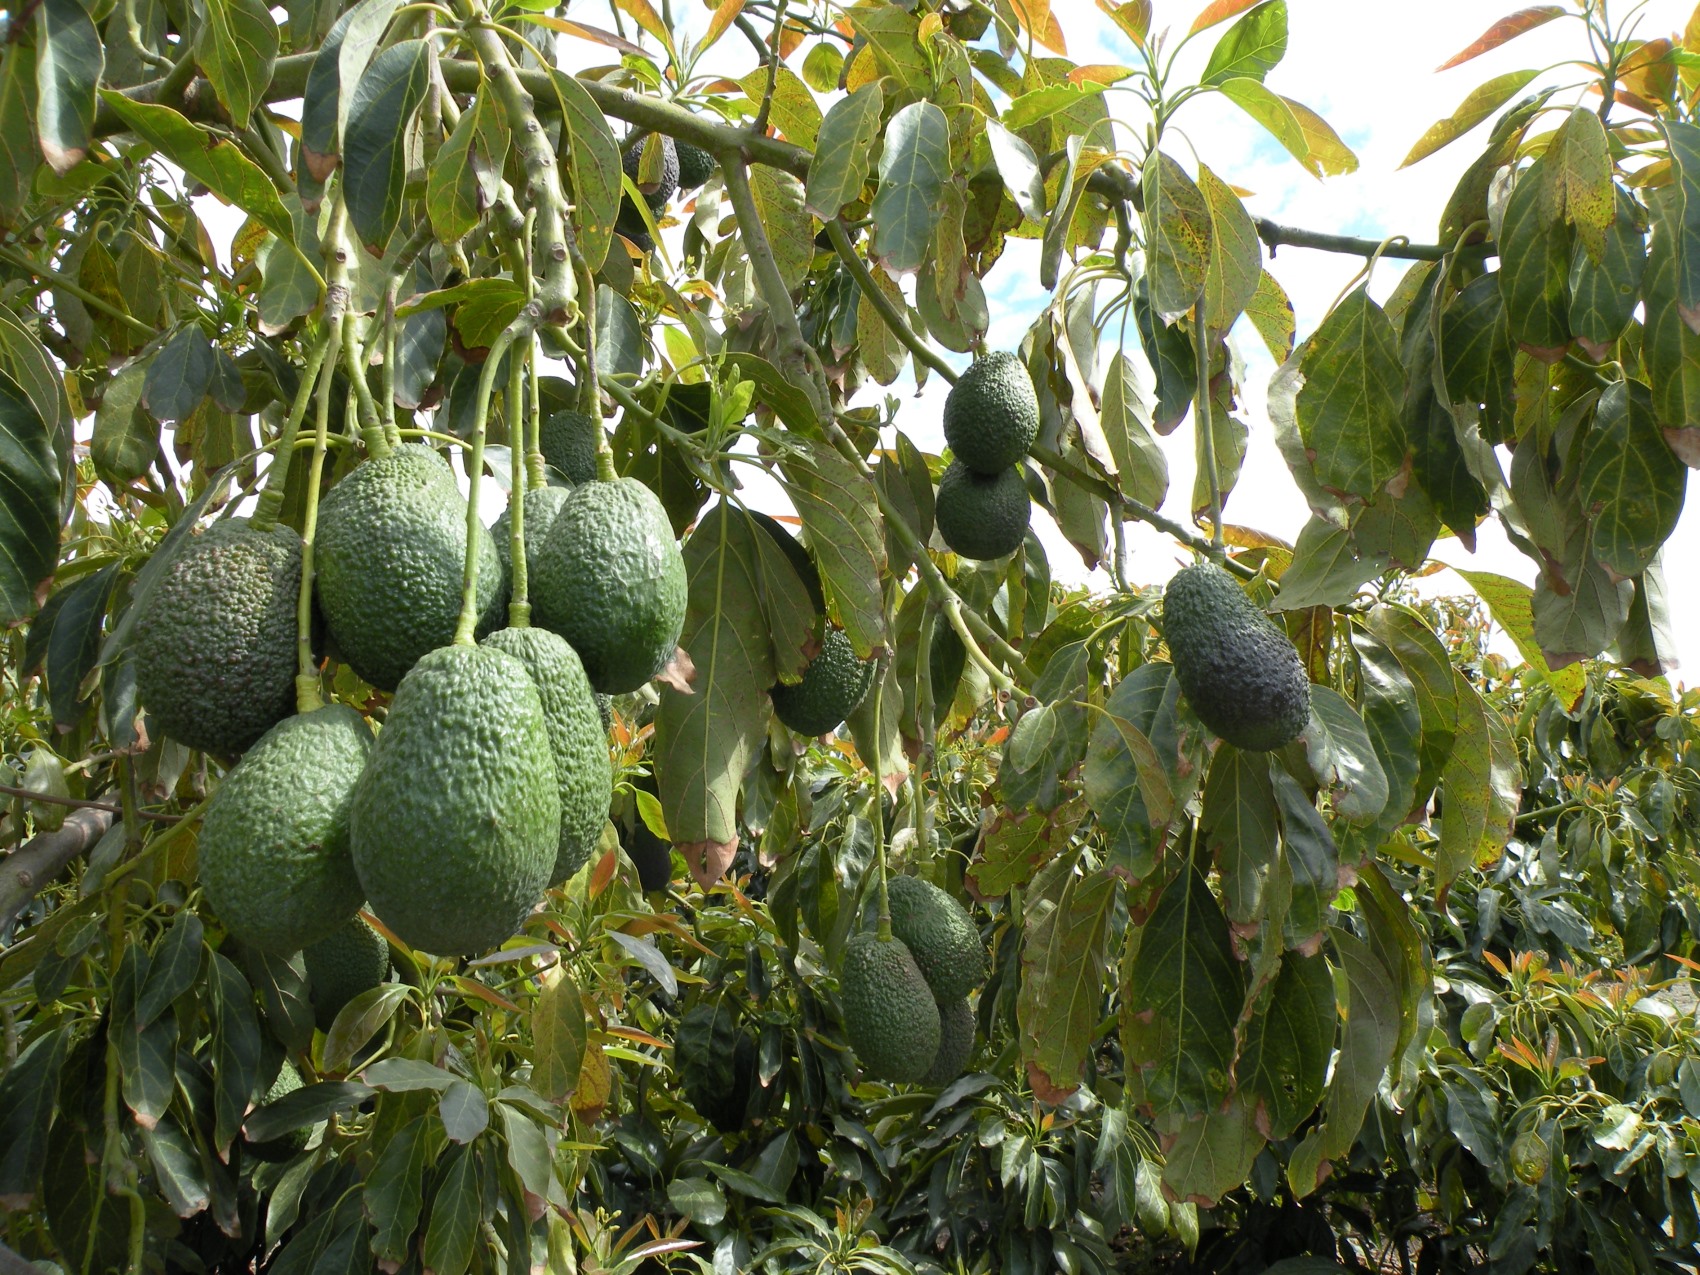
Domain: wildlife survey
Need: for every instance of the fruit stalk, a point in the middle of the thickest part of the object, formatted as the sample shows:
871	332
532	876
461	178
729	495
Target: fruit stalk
519	605
270	504
474	469
1204	423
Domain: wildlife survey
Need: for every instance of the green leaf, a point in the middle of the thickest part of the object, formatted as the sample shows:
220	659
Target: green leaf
369	21
374	143
1062	975
322	106
360	1020
1603	294
793	109
893	34
528	1150
1169	350
914	169
1042	103
1481	787
778	197
1388	701
1577	186
1306	136
74	645
27	1098
1368	1039
1647	643
704	741
455	1212
179	375
236	47
177	1168
69	59
406	1075
126	438
463	180
1534	273
1181	994
620	338
1312	861
1670	348
1630	480
1338	748
1210	1155
1236	253
29	516
175	968
593	162
465	1111
1142	470
1283	1069
1483	101
1143	701
20	153
235	1056
304	1108
1475	341
1328	568
840	513
1271	313
1424	660
1252	47
1229	436
1579	607
1239	829
1682	203
558	1033
1349	409
1019	167
1178	241
213	161
843	156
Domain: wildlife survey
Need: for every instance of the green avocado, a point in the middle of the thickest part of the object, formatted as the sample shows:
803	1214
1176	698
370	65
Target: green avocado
353	958
279	1149
696	165
391	548
542	507
577	739
981	517
991	414
274	845
890	1016
1236	667
940	935
457	819
956	1043
568	440
214	648
833	684
611	580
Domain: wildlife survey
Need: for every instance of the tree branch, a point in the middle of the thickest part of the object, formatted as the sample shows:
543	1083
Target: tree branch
79	803
1278	236
28	870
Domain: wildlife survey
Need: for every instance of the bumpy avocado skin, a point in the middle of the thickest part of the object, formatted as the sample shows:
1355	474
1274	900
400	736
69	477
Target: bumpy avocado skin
353	958
274	847
696	165
568	440
981	517
457	818
890	1016
280	1149
391	545
940	935
215	642
1236	667
583	773
542	507
833	684
632	162
611	580
992	414
956	1043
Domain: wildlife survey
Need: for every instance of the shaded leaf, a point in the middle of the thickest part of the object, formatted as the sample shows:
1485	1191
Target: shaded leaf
1349	409
1210	1155
1177	236
29	516
593	162
1481	787
1062	975
1236	255
914	167
1284	1066
844	153
236	47
840	513
1534	274
1338	747
1240	830
465	1111
1578	185
374	141
1630	481
69	59
1142	470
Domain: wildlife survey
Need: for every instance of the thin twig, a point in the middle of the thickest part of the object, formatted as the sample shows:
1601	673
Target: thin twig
79	803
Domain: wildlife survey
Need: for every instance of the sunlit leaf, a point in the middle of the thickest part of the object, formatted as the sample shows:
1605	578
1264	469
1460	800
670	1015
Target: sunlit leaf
1483	101
1507	28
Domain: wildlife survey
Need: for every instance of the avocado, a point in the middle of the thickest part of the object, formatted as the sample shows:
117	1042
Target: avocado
569	440
940	936
696	165
833	684
457	819
214	645
981	517
611	580
285	1147
584	776
391	547
658	193
630	223
274	845
890	1016
956	1043
542	507
715	1060
991	414
1236	667
353	958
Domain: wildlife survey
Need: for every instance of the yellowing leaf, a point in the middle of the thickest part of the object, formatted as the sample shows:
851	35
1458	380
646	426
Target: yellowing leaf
1036	18
1482	102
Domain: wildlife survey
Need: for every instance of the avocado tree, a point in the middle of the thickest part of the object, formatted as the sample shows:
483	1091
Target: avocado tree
628	295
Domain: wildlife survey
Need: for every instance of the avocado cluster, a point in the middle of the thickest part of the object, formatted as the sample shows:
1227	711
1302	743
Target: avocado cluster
905	998
990	420
683	167
1237	668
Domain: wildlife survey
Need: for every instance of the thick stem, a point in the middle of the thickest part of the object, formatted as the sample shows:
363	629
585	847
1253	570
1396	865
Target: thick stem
468	624
1204	421
1277	236
30	868
519	605
270	504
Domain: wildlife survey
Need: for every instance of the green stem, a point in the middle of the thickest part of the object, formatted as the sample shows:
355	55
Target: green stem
468	624
534	467
925	713
888	310
1204	422
519	605
270	503
307	694
64	283
878	692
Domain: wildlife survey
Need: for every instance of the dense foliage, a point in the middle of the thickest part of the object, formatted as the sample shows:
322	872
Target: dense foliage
1408	988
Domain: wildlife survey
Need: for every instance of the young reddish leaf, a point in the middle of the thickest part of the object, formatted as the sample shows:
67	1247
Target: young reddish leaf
1219	11
596	35
1506	29
723	18
644	14
1649	73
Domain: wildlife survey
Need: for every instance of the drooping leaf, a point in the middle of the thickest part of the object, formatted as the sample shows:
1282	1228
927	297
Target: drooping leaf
180	375
1349	408
1312	863
1481	787
1669	346
1507	28
461	183
1142	469
1062	977
559	1033
1236	255
1174	362
1534	274
456	1208
1209	1155
914	167
778	197
236	47
69	59
1271	313
1019	168
394	1191
20	152
235	1051
374	143
1180	997
1423	658
29	516
1239	828
1342	758
1483	101
27	1099
593	163
1284	1066
1387	698
1630	480
840	513
1603	294
1577	186
1511	603
844	153
1177	237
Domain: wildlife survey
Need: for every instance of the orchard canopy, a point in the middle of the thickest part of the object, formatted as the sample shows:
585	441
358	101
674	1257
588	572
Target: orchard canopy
245	251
